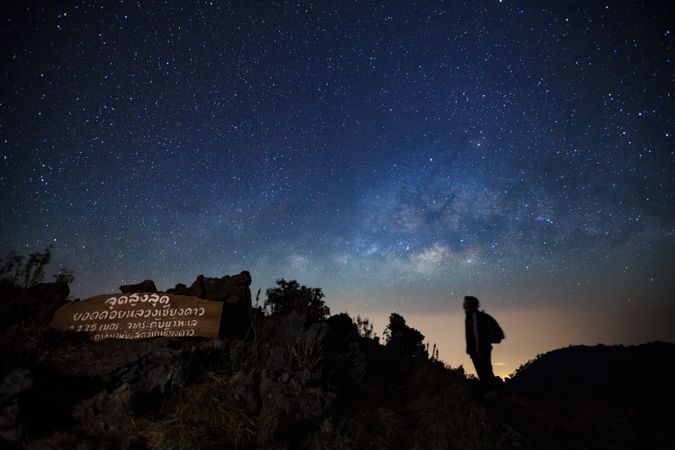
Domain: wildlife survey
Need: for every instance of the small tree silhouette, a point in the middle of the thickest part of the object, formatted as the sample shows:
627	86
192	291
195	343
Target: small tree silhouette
290	296
365	327
403	340
25	273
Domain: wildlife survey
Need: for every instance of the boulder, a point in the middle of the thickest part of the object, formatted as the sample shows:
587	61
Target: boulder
180	289
143	286
233	289
106	413
229	289
235	293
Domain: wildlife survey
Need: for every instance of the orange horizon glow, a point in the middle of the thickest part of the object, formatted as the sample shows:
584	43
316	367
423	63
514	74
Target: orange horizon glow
530	332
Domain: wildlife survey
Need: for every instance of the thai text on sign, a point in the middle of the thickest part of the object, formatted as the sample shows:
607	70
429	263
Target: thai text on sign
140	315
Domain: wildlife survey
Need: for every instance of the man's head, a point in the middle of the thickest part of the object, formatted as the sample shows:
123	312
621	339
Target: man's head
470	303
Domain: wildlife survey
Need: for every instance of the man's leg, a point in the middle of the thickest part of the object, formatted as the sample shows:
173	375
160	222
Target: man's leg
483	364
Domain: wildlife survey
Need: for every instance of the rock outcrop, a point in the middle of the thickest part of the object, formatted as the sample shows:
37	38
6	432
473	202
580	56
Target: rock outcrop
235	293
234	289
143	286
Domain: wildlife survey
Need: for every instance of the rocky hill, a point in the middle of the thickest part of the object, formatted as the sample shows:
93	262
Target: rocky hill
278	378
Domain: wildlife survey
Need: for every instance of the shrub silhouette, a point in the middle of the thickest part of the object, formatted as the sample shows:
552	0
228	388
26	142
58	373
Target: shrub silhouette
25	272
403	340
290	296
365	327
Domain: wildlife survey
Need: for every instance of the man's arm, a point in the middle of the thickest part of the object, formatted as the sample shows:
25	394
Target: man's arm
475	331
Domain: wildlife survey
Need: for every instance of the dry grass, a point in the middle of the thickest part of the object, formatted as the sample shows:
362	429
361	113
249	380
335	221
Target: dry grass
203	415
305	353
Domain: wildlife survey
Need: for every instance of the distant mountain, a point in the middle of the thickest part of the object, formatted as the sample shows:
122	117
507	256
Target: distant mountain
599	397
580	373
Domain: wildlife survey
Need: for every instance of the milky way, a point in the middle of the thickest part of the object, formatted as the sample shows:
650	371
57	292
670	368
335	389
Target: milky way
398	156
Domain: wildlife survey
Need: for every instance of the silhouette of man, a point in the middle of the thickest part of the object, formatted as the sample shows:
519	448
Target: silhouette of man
480	333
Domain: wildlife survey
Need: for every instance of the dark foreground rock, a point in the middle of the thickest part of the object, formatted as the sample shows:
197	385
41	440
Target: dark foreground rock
285	382
95	389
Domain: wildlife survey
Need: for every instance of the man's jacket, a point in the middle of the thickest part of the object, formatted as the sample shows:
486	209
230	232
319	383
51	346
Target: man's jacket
478	326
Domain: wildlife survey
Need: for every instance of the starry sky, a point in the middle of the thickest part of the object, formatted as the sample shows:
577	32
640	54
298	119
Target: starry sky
399	155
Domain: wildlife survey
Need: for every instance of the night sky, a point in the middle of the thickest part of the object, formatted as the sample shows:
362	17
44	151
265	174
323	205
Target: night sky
399	156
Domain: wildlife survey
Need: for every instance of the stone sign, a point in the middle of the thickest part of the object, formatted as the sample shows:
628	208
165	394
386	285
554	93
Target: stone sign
140	315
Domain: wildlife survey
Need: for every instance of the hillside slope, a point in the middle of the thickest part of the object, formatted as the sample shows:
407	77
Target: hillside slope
284	381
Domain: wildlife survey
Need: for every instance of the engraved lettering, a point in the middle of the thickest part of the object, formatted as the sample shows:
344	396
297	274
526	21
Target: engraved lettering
133	299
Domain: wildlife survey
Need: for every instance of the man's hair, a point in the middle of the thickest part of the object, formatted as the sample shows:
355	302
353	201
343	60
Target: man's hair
472	301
